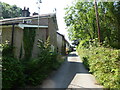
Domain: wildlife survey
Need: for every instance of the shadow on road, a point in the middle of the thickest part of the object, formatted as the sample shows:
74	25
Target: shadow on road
73	69
62	78
65	74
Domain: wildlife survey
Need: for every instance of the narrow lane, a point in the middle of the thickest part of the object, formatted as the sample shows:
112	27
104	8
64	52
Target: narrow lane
71	74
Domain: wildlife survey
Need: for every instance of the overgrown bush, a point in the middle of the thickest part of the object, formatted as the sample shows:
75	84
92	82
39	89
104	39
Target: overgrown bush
12	71
104	63
39	68
17	73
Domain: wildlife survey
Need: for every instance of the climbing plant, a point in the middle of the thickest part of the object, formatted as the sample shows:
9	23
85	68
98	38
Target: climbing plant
37	69
28	41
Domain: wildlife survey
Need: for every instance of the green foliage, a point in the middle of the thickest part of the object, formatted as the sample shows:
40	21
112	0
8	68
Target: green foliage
12	70
10	11
86	62
33	72
18	73
39	68
81	21
28	39
104	63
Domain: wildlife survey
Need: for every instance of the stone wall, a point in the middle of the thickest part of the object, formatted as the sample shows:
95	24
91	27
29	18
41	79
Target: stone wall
6	34
18	38
18	42
52	32
40	34
59	43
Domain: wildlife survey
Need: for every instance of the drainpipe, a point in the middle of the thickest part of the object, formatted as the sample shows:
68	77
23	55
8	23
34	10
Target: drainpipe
12	39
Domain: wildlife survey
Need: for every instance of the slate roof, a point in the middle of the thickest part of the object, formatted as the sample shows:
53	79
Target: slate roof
19	19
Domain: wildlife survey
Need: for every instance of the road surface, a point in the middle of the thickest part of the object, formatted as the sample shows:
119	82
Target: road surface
72	74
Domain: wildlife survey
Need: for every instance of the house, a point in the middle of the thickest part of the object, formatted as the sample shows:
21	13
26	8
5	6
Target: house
61	43
68	47
23	32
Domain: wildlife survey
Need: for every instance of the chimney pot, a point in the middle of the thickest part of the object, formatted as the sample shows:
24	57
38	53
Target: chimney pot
35	13
24	8
25	12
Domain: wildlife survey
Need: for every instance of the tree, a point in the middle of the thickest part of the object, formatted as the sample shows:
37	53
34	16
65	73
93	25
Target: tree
10	11
80	19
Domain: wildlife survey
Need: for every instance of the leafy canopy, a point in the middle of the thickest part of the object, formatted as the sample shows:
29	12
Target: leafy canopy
81	21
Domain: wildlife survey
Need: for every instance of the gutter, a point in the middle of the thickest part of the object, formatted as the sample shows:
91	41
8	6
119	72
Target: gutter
33	26
24	25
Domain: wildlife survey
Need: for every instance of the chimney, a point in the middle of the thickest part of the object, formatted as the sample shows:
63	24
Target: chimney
25	12
35	13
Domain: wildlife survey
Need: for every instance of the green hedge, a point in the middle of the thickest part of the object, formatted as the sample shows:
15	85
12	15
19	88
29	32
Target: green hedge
20	73
38	69
12	71
104	63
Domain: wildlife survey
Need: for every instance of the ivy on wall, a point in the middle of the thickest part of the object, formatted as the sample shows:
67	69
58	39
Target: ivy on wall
28	41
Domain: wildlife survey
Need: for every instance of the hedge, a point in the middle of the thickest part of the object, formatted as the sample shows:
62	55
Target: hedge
104	64
12	70
18	73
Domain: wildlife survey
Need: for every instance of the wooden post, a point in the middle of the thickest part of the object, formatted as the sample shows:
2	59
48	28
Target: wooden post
97	21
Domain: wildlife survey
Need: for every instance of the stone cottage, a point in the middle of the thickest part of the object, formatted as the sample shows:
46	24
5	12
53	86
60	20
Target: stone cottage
23	32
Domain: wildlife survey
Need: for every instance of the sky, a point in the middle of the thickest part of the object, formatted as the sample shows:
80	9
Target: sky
47	6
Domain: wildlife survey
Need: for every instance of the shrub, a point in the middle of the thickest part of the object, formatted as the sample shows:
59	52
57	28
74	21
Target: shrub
104	63
17	73
39	68
12	71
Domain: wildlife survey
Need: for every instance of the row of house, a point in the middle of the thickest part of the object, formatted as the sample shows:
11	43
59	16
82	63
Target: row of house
33	27
62	44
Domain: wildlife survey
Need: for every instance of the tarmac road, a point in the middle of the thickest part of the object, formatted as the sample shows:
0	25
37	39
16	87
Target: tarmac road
72	74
